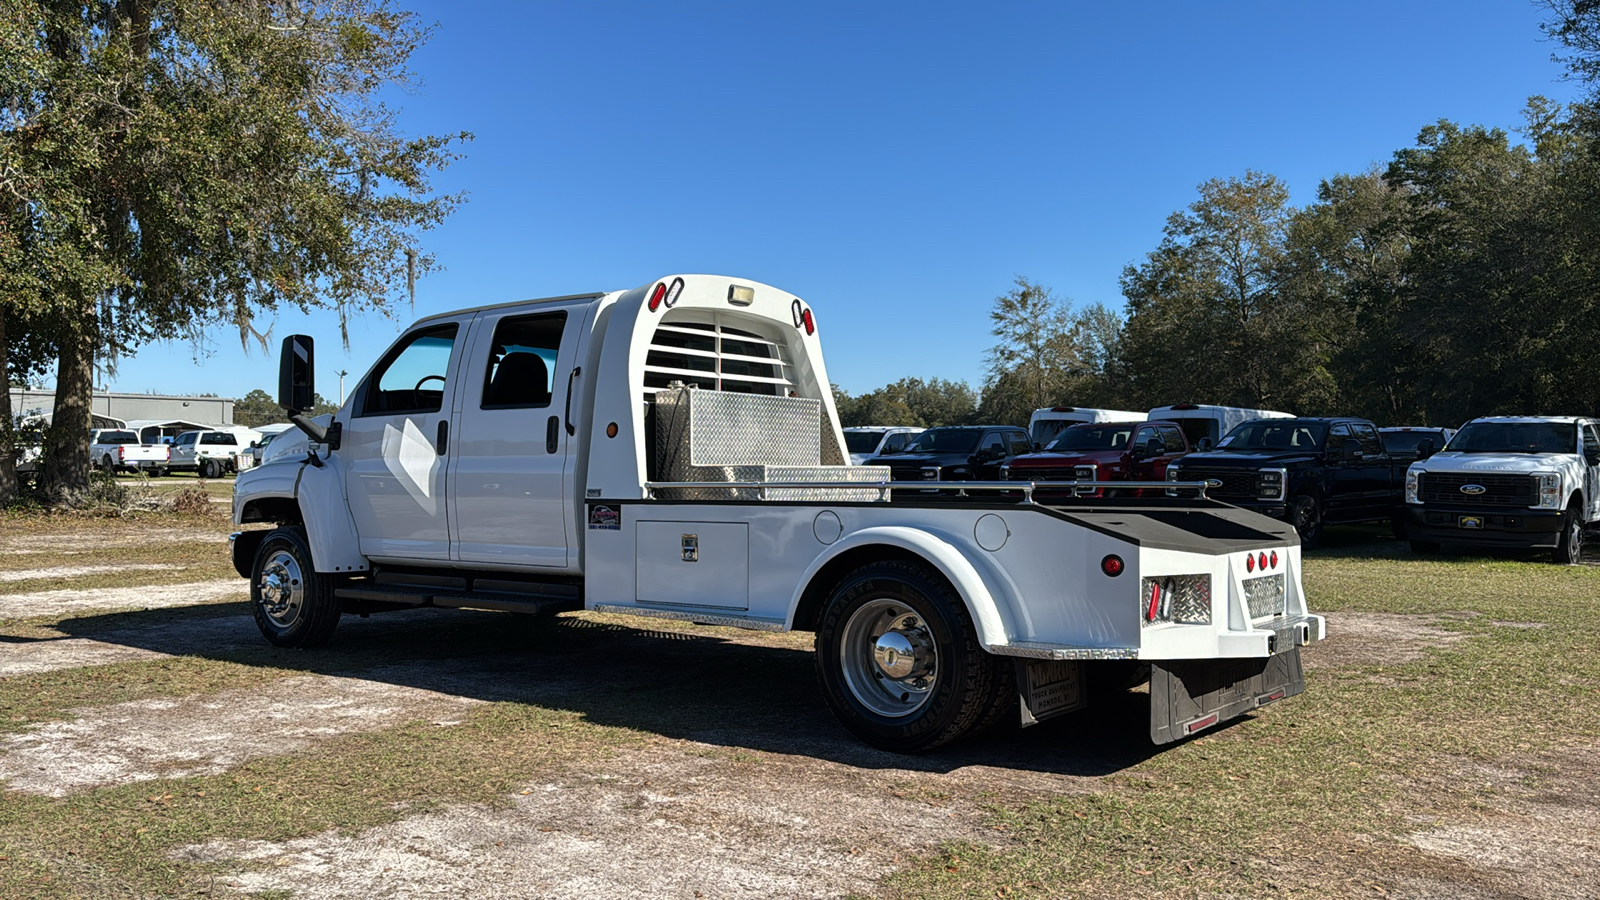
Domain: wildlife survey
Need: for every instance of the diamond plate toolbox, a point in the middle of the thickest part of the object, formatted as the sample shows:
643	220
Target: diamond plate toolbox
1264	595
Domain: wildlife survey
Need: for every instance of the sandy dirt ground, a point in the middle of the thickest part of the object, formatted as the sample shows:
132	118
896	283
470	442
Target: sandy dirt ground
70	602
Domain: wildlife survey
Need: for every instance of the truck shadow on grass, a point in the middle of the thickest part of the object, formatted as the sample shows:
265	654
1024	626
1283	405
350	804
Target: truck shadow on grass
712	686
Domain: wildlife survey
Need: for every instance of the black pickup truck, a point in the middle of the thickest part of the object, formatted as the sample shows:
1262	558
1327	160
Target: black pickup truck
1311	472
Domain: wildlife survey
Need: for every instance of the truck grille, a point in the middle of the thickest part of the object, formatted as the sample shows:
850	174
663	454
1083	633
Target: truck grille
1235	482
1499	490
1264	596
1043	473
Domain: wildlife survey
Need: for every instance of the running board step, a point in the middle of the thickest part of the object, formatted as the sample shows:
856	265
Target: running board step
527	603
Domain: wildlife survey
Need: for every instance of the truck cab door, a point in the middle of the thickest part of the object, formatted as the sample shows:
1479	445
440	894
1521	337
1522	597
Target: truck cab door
1591	472
396	443
508	470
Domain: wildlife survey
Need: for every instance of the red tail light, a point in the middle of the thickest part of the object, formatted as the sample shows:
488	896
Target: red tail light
1155	602
1274	559
811	324
1249	563
656	295
1112	565
1263	562
121	454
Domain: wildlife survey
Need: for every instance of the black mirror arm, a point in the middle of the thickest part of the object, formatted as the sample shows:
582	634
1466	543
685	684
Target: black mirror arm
317	433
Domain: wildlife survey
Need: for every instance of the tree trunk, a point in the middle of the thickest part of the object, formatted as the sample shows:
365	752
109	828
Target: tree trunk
8	458
64	470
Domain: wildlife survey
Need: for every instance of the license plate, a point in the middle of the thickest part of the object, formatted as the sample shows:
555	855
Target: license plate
1470	521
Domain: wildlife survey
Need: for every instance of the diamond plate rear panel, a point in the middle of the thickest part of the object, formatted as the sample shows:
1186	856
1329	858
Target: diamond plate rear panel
781	474
1184	599
720	428
1264	595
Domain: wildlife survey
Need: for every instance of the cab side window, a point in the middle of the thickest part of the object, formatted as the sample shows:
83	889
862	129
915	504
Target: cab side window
1143	437
1020	443
1368	436
896	441
522	361
411	378
1172	437
994	441
1591	441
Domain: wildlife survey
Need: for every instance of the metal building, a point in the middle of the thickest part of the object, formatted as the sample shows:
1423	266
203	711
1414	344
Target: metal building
128	407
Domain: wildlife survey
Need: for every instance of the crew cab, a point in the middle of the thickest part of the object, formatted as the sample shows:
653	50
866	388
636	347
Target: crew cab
210	453
1310	471
1103	451
957	453
673	451
1518	482
119	450
865	442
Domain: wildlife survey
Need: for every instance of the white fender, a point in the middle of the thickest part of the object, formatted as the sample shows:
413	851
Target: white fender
985	596
330	530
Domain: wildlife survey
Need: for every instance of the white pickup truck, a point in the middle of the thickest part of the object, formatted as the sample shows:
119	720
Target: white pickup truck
1518	482
119	450
673	451
208	453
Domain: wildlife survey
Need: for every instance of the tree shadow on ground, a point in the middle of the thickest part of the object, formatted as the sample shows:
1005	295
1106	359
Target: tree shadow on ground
718	687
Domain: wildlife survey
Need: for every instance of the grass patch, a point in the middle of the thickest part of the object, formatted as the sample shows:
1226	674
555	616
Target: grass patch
1283	801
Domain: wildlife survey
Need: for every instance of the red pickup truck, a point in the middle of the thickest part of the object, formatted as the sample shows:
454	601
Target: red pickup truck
1102	451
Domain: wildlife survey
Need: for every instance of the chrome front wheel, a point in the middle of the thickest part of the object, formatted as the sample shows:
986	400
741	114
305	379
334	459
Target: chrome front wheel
281	587
293	603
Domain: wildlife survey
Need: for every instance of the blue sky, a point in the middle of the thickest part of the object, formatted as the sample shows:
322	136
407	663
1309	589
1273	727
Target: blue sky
895	164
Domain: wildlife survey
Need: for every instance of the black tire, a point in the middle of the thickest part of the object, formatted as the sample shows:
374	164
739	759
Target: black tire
108	466
1425	548
1569	549
1397	526
293	604
1305	514
949	684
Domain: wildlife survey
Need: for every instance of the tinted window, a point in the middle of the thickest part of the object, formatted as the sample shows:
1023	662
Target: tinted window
1368	436
862	441
411	378
1515	437
117	437
1020	443
1143	436
897	441
1591	441
1093	437
188	437
1172	438
945	440
219	437
1045	430
522	361
1277	434
1405	442
994	441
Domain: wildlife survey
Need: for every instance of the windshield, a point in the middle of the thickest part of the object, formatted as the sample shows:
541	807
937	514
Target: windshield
863	441
1516	437
1093	437
118	437
945	440
1274	434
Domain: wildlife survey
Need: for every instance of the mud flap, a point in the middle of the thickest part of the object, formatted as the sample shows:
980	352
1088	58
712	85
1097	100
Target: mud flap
1188	696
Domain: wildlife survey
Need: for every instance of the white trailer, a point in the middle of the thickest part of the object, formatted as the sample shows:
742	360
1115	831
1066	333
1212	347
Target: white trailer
673	451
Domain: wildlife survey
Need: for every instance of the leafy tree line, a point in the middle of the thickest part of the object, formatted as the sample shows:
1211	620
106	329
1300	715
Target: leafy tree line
168	166
1459	280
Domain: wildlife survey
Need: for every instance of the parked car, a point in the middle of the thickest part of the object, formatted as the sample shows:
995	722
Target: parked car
1521	482
865	442
119	450
1410	442
1310	471
1204	425
957	453
258	448
1045	424
1102	451
210	453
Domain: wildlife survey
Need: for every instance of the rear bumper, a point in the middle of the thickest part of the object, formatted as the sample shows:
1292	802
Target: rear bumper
1516	528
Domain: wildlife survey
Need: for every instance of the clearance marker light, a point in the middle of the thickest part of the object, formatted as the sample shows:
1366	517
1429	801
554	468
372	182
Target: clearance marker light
1155	602
811	324
794	310
1112	565
1249	563
741	294
1262	562
656	295
1274	559
673	292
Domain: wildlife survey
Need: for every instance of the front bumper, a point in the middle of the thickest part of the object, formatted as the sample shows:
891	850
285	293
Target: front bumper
1516	528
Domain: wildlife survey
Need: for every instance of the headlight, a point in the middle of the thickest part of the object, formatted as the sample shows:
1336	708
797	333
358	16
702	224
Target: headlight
1550	491
1172	475
1270	482
1413	486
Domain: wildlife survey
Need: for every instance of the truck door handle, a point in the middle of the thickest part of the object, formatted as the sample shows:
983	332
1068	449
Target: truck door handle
443	443
552	434
576	371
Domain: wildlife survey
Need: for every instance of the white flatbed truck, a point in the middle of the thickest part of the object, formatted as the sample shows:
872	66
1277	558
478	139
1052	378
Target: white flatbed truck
673	451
